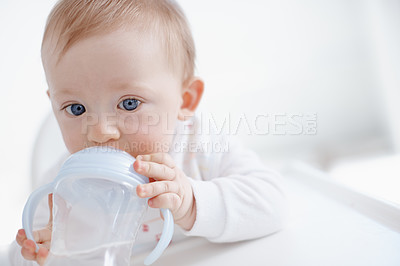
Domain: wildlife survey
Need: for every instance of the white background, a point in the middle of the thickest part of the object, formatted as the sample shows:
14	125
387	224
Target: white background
336	59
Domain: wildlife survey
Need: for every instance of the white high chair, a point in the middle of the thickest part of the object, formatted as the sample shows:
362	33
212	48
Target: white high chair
4	256
48	149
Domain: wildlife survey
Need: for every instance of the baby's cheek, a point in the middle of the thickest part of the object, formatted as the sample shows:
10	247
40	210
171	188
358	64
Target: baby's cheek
149	133
77	145
73	141
149	143
129	124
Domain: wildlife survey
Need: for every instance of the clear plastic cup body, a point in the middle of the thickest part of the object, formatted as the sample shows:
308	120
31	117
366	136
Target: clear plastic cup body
96	211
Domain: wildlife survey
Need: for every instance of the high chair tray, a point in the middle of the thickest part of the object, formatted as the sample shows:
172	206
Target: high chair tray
327	224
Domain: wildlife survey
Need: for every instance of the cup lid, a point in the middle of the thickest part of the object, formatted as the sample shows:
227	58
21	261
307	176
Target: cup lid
104	161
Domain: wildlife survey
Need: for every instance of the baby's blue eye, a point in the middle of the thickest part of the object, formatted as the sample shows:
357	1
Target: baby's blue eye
75	109
129	104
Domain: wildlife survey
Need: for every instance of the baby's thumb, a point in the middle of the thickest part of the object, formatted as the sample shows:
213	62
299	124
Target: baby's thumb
42	255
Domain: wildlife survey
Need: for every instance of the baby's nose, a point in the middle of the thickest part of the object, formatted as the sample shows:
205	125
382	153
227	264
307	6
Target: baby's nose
103	130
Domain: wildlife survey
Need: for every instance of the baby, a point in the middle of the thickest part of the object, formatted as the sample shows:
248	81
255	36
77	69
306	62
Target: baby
120	73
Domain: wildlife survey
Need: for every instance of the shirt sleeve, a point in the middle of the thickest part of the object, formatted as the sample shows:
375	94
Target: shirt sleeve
244	201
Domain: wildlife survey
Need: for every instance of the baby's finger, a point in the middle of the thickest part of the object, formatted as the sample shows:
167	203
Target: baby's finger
162	158
21	236
156	188
42	235
28	250
154	170
170	201
42	255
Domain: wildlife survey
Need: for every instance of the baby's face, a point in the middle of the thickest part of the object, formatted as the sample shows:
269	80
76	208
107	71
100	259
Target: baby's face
115	90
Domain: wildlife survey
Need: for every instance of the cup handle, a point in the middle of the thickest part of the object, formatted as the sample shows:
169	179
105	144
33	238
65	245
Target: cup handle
165	239
30	209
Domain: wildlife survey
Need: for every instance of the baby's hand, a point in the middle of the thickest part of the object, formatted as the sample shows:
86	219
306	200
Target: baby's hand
169	187
42	237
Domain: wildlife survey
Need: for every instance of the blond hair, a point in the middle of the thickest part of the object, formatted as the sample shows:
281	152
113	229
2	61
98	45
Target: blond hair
73	20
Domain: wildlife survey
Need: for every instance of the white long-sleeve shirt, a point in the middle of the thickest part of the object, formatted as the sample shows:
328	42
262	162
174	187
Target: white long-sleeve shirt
237	197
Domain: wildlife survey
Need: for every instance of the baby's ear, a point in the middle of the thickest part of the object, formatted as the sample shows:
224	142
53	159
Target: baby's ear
191	96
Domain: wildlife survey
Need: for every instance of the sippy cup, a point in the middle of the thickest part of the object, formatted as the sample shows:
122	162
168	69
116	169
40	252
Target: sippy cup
96	211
